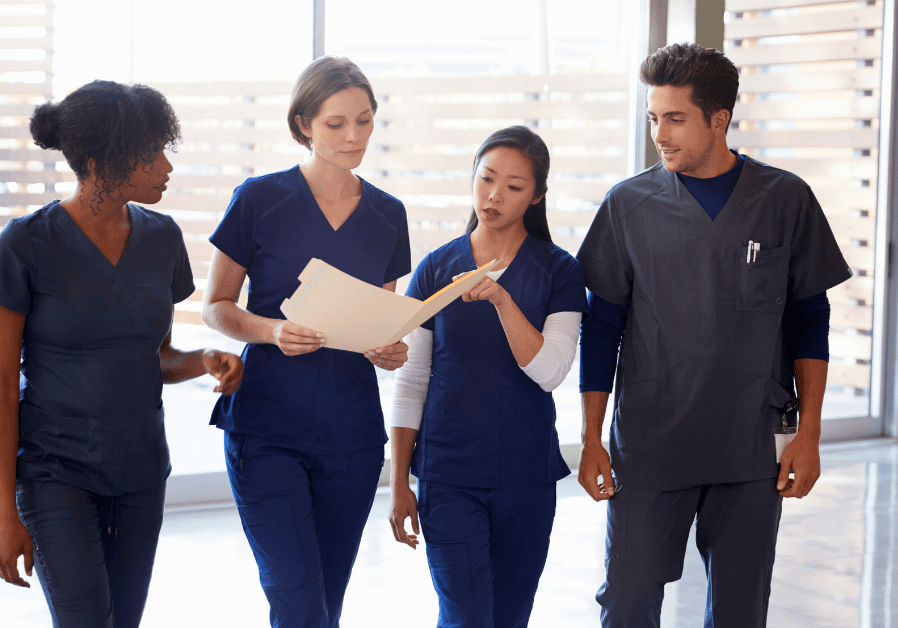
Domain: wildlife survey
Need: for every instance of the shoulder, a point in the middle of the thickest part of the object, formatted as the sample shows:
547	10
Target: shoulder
384	203
36	224
776	182
449	253
273	185
553	259
634	191
156	223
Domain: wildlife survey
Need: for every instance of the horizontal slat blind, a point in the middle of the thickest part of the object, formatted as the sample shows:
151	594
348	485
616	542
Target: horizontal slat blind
427	131
809	103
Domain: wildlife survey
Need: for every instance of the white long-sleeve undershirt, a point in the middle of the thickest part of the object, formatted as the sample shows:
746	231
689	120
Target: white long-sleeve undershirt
548	368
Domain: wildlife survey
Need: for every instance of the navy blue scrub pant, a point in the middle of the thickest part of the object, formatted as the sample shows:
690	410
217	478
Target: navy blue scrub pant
736	529
93	553
303	512
486	549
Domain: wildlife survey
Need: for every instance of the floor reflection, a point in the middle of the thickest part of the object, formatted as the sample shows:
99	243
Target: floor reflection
836	564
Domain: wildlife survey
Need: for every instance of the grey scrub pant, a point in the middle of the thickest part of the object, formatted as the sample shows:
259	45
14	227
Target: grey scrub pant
648	531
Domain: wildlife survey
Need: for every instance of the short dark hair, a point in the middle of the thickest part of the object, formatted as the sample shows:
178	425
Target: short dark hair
323	78
713	78
533	147
118	126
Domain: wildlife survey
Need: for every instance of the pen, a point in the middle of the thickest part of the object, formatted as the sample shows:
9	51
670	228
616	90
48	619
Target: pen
751	245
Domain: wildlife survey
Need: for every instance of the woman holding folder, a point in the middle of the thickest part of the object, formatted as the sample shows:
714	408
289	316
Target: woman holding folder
304	436
473	416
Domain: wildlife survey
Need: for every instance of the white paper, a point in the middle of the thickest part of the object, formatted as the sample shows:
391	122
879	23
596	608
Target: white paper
356	316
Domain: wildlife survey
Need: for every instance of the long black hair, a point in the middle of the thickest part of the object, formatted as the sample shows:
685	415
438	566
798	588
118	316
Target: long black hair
118	126
532	146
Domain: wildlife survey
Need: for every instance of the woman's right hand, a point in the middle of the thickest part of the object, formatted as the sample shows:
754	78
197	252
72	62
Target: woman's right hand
14	542
293	339
403	504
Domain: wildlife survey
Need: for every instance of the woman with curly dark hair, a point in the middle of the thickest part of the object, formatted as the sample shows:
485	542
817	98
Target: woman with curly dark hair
87	289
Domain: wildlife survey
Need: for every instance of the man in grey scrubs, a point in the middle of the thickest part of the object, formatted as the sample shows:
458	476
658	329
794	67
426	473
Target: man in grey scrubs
713	267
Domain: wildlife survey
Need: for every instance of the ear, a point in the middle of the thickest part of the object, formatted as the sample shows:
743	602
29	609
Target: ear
306	129
92	167
720	120
537	199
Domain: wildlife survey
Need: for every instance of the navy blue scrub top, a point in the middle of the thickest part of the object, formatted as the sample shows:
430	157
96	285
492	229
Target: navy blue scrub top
703	373
327	400
486	423
91	410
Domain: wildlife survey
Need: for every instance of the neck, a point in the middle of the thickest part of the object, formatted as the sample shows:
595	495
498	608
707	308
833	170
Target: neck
489	244
722	161
91	203
329	180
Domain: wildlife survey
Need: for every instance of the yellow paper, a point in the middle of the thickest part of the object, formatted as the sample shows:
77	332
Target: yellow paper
356	316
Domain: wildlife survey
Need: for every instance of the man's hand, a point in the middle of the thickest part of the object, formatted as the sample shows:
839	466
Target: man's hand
595	462
802	455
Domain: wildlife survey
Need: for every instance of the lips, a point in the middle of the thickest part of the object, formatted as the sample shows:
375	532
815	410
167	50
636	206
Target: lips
489	211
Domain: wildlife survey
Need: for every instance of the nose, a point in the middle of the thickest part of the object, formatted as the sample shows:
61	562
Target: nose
659	132
496	194
163	164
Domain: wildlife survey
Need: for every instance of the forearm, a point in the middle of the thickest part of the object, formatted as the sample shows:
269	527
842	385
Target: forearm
230	319
523	338
593	405
179	366
9	444
402	444
810	376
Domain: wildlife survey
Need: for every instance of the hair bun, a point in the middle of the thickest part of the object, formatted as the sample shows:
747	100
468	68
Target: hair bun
44	125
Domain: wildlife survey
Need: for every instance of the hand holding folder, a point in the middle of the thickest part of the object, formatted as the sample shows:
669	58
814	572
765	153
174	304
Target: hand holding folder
356	316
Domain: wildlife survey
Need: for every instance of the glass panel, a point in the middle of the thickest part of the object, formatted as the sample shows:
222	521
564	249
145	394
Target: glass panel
809	103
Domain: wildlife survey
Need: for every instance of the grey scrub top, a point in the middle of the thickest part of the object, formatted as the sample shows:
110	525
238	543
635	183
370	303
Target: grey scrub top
703	373
91	412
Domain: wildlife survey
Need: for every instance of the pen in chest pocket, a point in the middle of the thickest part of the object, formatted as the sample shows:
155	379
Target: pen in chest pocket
752	253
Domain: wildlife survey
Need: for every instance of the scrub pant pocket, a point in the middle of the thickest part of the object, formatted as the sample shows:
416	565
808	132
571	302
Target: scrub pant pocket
94	554
303	512
486	549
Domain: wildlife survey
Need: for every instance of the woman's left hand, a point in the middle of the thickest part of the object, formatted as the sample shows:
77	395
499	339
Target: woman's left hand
390	357
486	290
227	368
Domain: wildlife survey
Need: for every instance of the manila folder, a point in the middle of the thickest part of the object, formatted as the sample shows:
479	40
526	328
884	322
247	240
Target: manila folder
356	316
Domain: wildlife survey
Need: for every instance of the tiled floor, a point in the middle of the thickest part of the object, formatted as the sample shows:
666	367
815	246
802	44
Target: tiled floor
837	564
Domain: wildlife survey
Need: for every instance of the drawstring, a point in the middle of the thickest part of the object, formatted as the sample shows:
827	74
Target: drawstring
112	526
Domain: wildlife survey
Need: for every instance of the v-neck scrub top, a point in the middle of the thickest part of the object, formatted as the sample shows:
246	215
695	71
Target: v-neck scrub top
328	399
91	410
702	373
486	423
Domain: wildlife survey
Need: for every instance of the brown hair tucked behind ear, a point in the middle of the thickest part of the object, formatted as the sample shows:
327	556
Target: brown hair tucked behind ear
323	78
713	78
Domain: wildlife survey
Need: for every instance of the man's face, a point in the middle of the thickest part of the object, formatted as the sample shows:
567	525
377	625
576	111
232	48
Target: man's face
685	141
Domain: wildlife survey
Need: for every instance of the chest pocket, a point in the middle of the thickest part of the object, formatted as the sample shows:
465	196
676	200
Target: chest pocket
761	284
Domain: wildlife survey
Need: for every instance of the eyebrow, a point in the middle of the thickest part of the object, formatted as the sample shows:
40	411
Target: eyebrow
337	115
668	114
511	176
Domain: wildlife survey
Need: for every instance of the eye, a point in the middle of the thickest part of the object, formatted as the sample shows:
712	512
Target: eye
486	178
334	126
514	188
364	122
673	120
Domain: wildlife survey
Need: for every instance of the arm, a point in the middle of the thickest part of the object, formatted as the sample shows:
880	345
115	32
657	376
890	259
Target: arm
180	366
803	453
409	396
554	360
600	338
221	313
14	538
523	338
402	499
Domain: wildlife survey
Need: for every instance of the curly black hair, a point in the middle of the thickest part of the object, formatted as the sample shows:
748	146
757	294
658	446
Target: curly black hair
120	127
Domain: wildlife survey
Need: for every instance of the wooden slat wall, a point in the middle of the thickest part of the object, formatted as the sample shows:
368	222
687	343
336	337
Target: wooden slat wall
809	103
27	173
426	133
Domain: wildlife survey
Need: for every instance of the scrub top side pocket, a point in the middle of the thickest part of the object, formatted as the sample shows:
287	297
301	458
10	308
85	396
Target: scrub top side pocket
762	282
